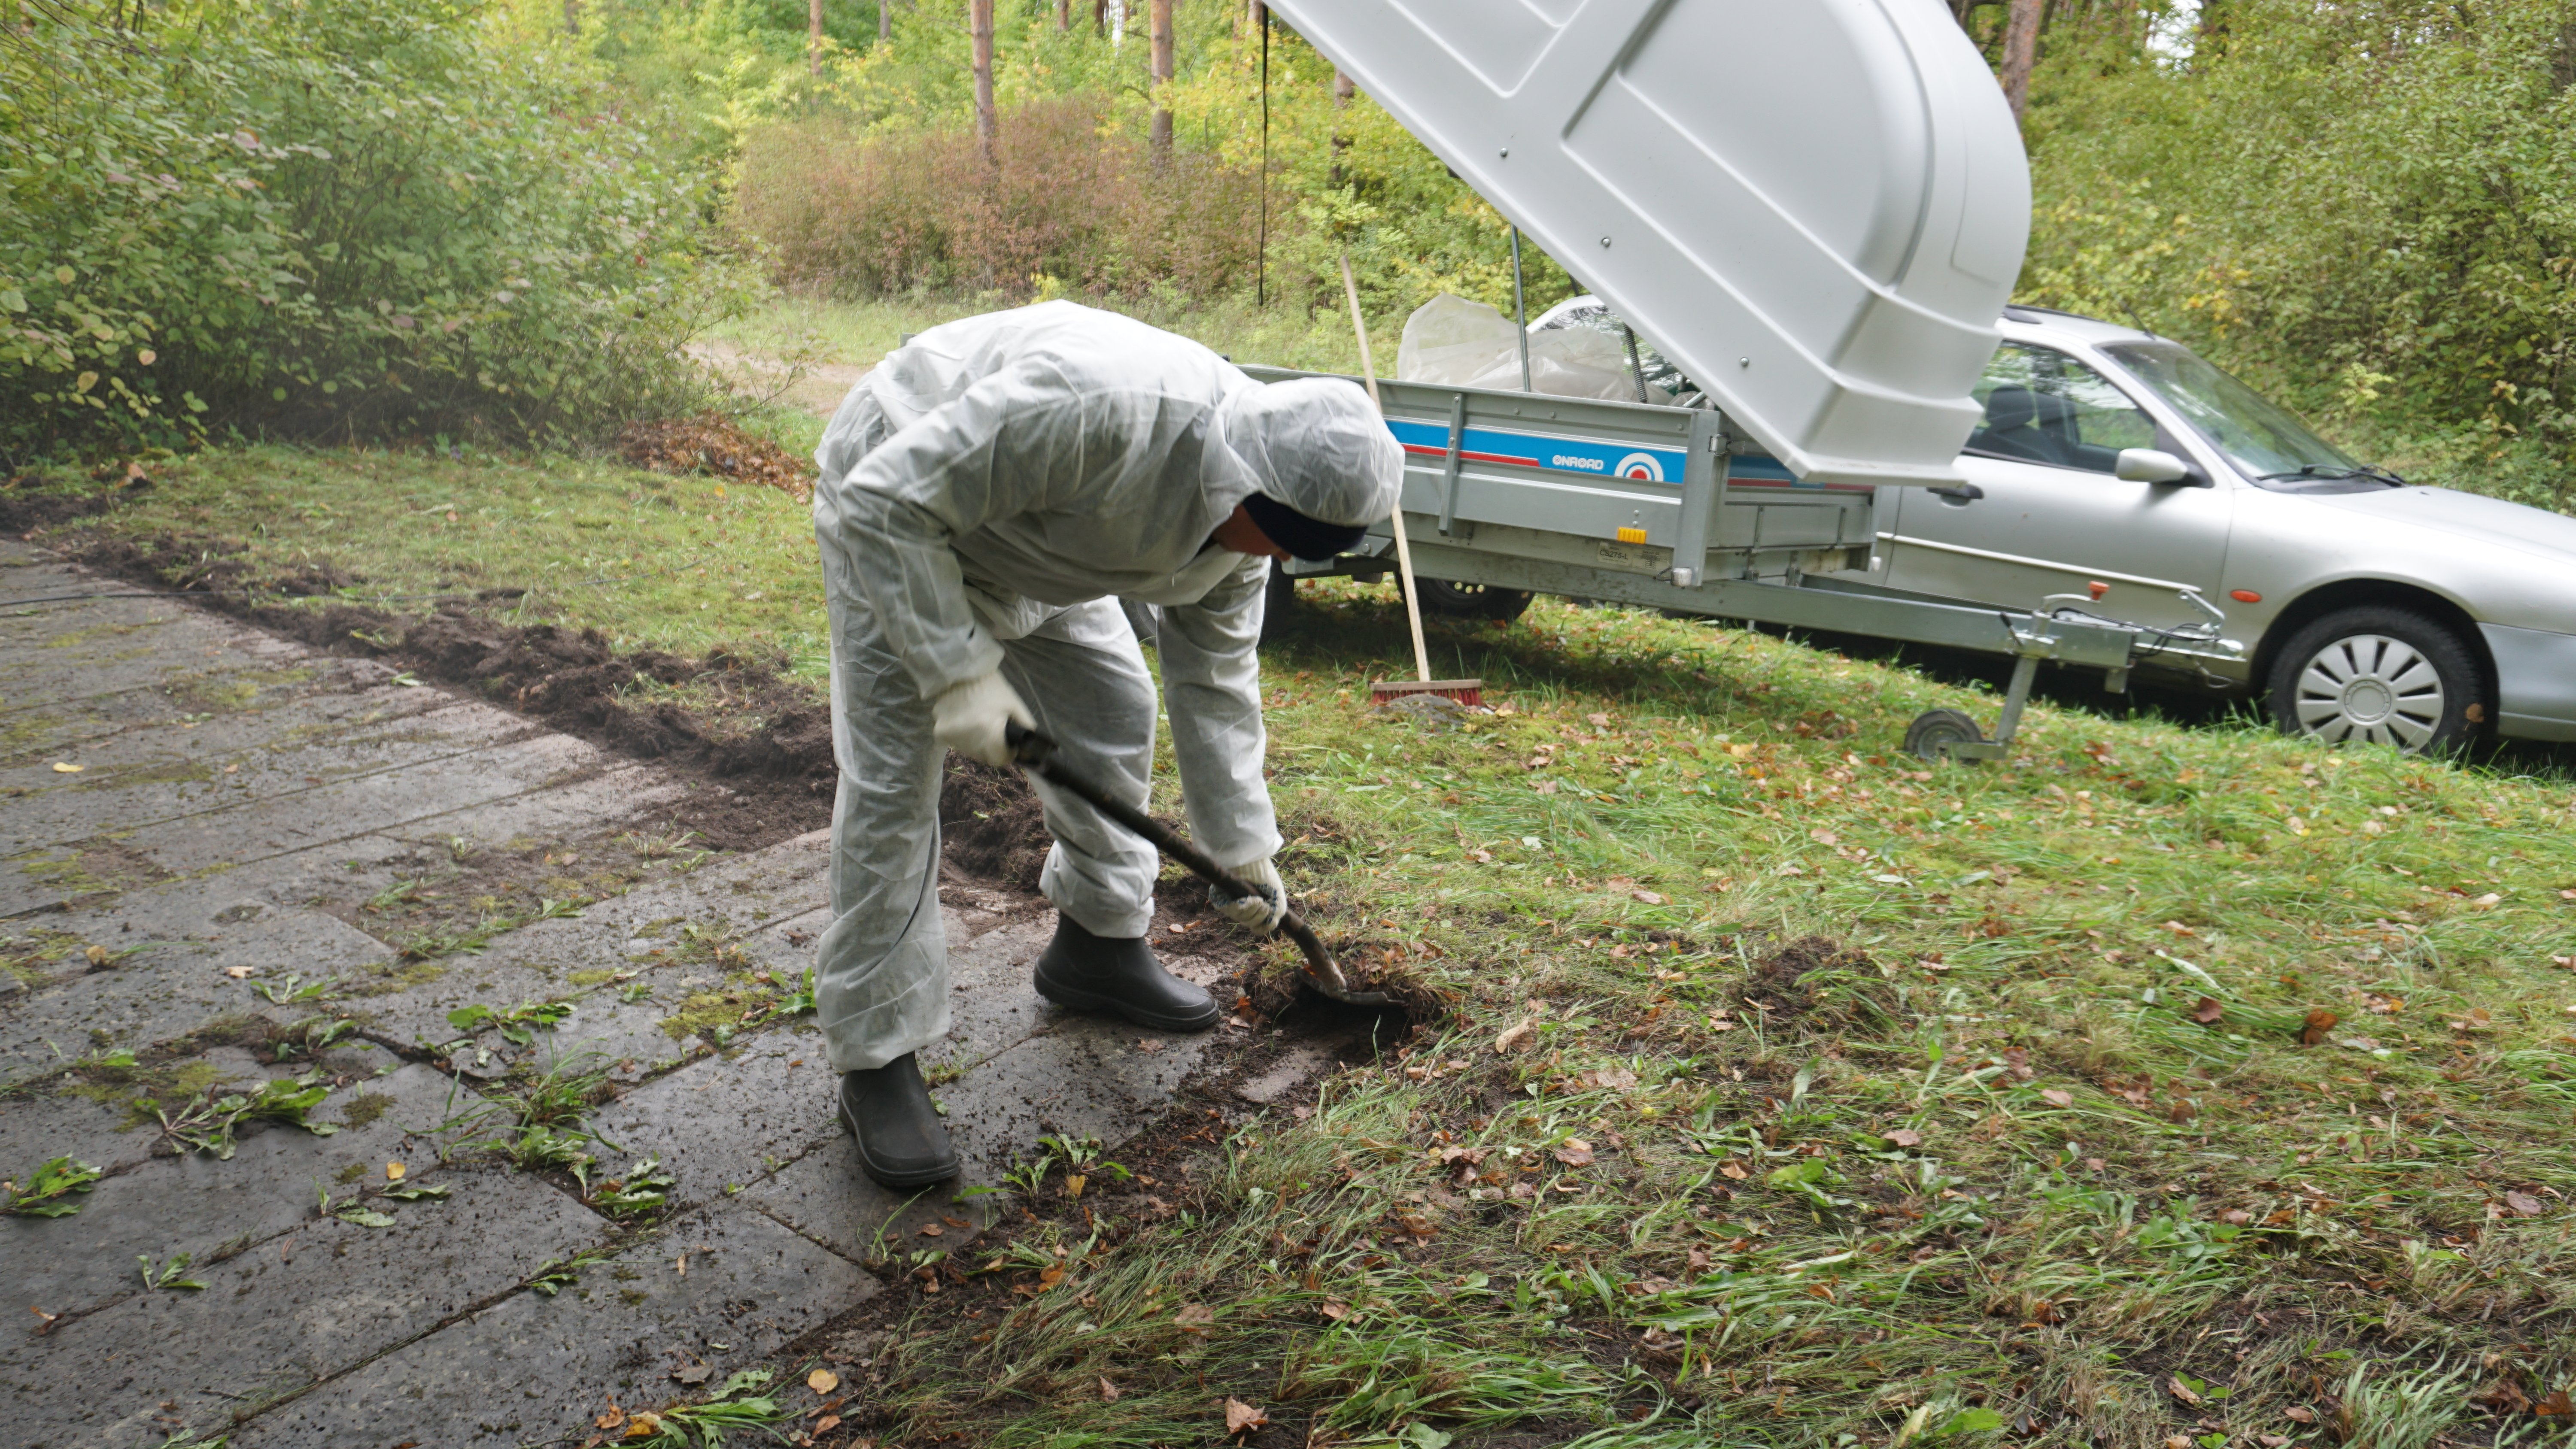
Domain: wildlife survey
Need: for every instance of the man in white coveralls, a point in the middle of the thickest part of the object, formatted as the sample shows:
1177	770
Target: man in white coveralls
989	494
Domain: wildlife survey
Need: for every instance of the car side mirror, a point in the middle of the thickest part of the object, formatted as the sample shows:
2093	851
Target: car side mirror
2153	465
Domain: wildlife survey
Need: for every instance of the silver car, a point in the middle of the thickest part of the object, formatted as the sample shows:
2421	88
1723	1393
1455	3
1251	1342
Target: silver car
2115	462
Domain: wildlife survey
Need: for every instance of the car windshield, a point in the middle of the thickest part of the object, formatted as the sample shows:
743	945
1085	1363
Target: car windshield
2261	439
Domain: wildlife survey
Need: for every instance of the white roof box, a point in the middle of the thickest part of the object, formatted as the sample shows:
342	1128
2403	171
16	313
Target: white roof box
1816	207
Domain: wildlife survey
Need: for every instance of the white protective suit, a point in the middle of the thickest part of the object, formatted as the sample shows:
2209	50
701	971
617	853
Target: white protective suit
990	493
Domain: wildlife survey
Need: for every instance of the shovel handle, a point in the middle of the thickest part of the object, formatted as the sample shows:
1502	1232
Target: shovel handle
1035	753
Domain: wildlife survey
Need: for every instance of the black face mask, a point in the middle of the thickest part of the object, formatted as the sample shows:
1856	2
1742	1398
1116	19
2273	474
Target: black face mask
1310	539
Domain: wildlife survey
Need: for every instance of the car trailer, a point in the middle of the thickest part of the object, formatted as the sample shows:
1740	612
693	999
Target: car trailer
1668	508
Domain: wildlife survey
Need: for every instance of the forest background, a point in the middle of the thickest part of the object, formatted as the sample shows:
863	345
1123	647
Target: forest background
507	219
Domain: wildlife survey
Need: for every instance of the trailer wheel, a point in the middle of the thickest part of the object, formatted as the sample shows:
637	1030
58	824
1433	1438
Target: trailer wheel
1934	731
1279	599
1472	601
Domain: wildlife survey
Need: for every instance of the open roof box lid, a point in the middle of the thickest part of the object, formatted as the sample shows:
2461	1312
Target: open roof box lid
1817	208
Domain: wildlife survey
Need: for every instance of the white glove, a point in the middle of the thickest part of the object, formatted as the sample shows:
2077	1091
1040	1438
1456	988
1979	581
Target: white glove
969	717
1260	912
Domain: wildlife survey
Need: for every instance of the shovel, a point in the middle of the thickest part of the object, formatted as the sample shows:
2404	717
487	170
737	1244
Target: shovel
1036	753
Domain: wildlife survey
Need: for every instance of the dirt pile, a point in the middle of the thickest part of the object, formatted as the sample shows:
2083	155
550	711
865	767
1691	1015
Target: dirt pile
718	447
1818	981
991	825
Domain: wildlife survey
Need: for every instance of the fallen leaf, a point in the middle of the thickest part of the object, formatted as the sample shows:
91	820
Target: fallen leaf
1241	1417
2208	1012
1648	897
822	1381
1334	1310
2557	1405
2524	1205
1108	1392
1073	1183
615	1418
2176	1387
1731	1170
2057	1097
2320	1022
1574	1152
2485	901
932	1230
96	955
2301	1415
394	1171
1195	1318
239	972
1906	1137
1510	1041
2238	1216
1050	1275
827	1423
693	1375
1824	837
66	767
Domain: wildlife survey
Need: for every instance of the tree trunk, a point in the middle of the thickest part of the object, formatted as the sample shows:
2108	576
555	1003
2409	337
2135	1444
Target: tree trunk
572	17
1159	18
1344	88
979	25
814	35
2021	48
1063	16
885	21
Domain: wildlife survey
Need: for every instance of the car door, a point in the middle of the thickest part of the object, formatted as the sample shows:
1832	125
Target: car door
2044	513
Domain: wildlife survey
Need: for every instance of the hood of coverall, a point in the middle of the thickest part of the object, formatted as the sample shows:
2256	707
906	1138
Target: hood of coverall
1317	445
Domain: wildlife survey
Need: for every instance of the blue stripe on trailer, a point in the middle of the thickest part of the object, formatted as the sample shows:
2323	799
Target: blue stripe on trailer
1539	450
1588	459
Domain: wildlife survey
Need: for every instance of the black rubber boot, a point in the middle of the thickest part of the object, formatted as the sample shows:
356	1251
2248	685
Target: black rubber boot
902	1142
1104	973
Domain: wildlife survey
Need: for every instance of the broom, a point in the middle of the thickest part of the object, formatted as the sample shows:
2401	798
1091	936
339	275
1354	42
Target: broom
1470	692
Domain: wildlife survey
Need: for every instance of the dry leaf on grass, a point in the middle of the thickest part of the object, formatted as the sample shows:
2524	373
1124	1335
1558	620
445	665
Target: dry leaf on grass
2057	1097
1513	1039
1241	1417
2208	1012
2320	1021
1335	1311
1906	1137
1575	1152
822	1381
2183	1393
1108	1391
2524	1205
1195	1318
714	445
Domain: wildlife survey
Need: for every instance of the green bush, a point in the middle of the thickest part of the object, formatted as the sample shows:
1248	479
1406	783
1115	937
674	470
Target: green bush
326	218
2366	208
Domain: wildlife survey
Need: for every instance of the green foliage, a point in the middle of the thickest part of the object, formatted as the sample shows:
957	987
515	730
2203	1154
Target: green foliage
48	1192
2364	207
169	1275
208	1123
331	218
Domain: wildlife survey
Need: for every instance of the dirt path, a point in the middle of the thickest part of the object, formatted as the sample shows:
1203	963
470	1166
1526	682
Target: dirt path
816	387
233	859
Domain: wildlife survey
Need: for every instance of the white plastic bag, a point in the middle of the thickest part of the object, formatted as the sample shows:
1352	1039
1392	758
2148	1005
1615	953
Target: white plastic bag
1452	341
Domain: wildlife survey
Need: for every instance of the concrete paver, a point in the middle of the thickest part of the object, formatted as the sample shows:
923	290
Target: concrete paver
316	1330
315	1301
532	1366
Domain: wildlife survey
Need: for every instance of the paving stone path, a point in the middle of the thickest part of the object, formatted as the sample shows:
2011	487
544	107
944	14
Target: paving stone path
190	811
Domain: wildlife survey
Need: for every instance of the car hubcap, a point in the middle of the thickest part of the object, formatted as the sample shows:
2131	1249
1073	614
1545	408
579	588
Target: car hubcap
2372	688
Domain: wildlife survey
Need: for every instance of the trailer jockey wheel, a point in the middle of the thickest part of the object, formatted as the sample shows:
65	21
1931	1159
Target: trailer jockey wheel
1934	731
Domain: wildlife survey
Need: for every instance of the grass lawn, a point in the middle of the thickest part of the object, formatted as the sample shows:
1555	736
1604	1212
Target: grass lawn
2166	1087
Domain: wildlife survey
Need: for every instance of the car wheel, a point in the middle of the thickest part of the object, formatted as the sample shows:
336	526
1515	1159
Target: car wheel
2379	675
1472	601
